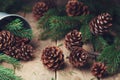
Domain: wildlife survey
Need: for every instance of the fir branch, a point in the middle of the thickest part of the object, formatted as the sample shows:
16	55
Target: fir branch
86	34
16	24
8	74
43	22
25	33
111	56
60	26
14	62
99	43
16	27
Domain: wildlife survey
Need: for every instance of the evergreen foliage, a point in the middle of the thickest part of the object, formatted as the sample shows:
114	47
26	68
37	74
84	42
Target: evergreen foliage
111	56
17	28
60	26
14	62
8	74
98	43
44	20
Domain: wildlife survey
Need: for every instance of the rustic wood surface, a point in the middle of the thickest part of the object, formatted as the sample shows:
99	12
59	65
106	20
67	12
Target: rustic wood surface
34	70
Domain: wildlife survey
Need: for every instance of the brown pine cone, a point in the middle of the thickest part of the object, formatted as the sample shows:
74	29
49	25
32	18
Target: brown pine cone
21	52
72	39
26	52
21	40
101	24
6	39
78	57
39	9
76	8
99	69
13	52
53	58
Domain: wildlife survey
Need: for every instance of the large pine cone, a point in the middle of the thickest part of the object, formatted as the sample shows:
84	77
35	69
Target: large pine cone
39	9
76	8
78	57
53	58
72	39
21	52
101	24
99	69
6	39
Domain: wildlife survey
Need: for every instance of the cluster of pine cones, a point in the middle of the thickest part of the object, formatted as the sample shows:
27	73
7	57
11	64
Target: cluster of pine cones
15	46
53	57
80	57
73	8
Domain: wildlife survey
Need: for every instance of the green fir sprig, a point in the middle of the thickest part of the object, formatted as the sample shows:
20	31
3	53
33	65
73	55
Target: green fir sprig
8	74
7	59
111	57
17	28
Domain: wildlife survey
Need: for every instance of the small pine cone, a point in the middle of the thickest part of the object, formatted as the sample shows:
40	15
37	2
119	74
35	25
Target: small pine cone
6	39
78	57
76	8
101	24
39	9
99	69
53	58
72	39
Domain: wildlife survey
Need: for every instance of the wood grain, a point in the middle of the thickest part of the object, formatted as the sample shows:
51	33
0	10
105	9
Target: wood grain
34	70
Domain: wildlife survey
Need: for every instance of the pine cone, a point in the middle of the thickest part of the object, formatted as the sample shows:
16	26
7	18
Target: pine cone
21	40
98	69
26	52
39	9
53	58
101	24
20	52
78	57
76	8
73	39
13	52
6	39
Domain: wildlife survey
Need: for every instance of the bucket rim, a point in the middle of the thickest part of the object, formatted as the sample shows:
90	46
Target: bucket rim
15	15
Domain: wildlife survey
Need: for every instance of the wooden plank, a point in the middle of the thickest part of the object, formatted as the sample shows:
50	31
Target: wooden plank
34	70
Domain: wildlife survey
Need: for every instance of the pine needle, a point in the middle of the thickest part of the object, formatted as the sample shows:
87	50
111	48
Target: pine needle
111	56
8	74
16	27
14	62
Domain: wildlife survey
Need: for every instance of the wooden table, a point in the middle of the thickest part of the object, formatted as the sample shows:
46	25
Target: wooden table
34	70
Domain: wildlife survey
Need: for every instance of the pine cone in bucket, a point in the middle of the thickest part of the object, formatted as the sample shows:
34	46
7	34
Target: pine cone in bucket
39	9
76	8
101	24
21	52
78	57
99	69
21	40
72	39
53	58
6	39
